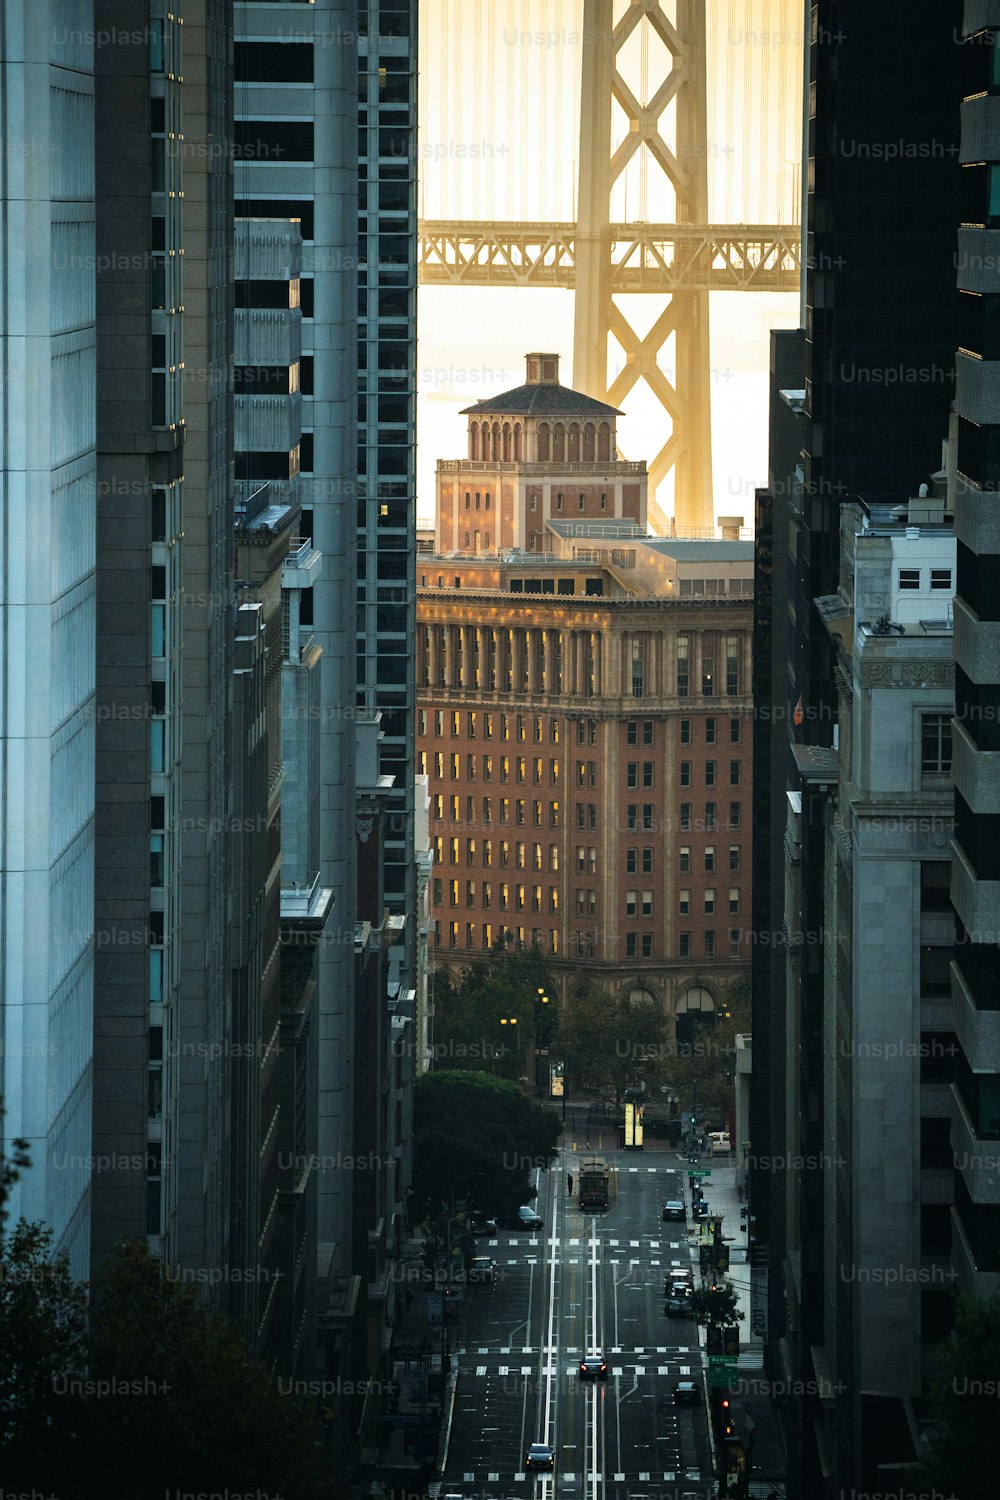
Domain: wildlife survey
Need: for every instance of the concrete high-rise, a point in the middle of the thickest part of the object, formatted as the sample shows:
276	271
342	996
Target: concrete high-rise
47	612
863	415
975	887
165	633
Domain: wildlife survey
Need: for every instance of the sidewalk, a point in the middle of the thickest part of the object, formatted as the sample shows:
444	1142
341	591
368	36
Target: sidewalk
750	1396
415	1409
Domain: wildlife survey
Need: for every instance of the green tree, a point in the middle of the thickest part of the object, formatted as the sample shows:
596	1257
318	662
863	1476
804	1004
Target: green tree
476	1141
11	1167
961	1461
718	1308
610	1043
43	1349
468	1011
146	1393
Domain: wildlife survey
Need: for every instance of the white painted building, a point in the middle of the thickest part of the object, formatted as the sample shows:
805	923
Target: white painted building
47	613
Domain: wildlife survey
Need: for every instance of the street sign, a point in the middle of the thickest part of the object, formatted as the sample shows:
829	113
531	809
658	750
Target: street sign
722	1362
699	1172
722	1372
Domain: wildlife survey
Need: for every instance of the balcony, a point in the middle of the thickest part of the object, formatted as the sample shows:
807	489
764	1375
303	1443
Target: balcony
977	387
976	772
977	515
976	1158
268	424
613	467
980	137
978	1031
301	566
267	249
977	644
976	901
268	336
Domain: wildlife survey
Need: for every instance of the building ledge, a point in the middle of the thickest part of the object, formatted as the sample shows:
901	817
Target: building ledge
816	763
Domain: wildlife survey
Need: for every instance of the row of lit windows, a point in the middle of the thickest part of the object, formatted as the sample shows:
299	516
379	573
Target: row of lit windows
509	726
516	897
536	937
487	767
507	853
539	817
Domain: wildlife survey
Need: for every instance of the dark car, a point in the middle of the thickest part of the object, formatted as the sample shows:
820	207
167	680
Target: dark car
487	1228
482	1268
687	1393
674	1210
539	1456
677	1306
593	1367
527	1218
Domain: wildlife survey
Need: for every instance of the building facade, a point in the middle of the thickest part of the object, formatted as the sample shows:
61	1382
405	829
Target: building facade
975	888
48	610
874	394
588	764
888	1044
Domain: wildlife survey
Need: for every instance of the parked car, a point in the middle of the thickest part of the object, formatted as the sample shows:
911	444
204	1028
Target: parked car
593	1367
527	1218
687	1393
539	1456
674	1210
482	1268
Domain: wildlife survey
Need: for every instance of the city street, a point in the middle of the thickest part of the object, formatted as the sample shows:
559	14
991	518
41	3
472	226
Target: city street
586	1282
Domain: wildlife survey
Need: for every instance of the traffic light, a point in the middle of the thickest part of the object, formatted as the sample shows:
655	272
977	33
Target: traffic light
722	1257
728	1427
731	1343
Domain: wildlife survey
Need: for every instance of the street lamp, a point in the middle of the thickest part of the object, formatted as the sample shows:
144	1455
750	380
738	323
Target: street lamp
511	1021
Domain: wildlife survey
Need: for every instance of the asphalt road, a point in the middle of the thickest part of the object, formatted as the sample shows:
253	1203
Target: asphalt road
584	1282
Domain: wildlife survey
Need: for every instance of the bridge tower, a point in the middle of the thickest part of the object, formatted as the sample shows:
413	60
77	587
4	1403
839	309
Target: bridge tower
684	395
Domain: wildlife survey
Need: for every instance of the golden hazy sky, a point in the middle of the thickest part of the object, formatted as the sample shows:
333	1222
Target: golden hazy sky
499	139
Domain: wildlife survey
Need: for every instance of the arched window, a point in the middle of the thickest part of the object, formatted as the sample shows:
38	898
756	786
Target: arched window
588	443
695	1008
559	443
474	440
574	443
544	437
506	443
518	442
495	455
603	443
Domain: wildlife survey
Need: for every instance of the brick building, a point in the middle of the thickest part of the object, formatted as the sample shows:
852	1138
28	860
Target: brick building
583	723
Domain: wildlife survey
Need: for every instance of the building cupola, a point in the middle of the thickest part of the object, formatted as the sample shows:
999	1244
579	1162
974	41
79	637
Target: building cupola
542	369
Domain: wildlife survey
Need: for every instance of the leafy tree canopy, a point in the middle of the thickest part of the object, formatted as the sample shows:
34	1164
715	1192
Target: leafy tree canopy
718	1308
467	1020
961	1461
147	1394
476	1140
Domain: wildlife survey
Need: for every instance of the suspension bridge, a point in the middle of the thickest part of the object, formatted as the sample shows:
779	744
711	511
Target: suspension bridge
685	117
